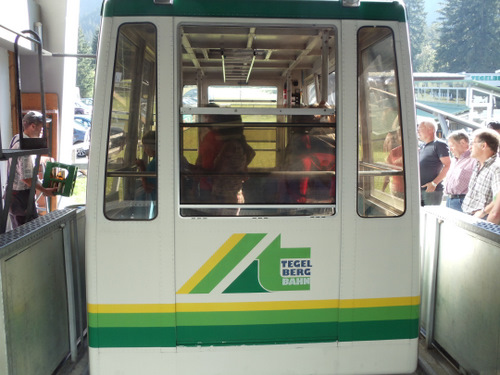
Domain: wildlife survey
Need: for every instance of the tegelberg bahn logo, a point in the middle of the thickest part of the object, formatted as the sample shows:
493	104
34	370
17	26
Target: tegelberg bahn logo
275	269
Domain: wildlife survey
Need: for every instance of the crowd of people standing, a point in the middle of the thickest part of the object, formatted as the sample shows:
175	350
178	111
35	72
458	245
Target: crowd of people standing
470	178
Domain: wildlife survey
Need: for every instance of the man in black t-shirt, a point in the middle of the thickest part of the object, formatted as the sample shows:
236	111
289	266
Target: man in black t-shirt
434	164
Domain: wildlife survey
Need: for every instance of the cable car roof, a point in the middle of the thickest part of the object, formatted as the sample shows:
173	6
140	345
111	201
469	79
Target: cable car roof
314	9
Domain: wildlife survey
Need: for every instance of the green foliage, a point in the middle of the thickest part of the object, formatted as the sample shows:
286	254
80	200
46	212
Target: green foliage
426	60
469	31
463	40
80	190
95	40
417	25
422	37
85	68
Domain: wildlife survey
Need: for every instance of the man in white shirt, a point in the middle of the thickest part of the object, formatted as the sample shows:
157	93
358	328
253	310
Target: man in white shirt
32	128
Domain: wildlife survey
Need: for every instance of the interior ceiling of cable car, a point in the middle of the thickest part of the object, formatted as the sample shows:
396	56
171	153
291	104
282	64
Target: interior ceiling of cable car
239	54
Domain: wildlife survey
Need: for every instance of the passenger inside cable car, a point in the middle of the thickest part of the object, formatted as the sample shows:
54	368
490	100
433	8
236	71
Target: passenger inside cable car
276	106
310	148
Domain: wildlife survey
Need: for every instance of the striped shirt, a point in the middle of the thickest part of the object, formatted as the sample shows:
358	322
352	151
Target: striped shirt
483	185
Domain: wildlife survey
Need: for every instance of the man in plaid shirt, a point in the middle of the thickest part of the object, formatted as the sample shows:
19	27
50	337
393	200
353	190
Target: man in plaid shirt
485	181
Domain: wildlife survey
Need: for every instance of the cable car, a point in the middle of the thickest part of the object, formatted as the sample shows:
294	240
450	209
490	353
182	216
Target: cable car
252	199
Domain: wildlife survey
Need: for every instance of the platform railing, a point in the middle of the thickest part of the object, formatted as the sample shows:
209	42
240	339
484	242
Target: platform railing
460	306
445	118
42	304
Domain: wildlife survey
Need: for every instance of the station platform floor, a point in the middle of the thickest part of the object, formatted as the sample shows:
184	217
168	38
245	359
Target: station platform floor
430	362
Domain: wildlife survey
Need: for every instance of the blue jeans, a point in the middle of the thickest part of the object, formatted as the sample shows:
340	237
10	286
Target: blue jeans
455	203
431	199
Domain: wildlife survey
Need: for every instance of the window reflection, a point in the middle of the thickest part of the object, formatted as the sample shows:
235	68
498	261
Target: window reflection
131	175
381	184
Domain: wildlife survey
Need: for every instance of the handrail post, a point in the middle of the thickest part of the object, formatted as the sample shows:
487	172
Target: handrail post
70	290
431	300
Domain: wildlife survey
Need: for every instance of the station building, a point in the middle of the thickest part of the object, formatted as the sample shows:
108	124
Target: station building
56	22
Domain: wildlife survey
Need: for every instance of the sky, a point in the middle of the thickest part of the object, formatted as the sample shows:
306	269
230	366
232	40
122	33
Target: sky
431	8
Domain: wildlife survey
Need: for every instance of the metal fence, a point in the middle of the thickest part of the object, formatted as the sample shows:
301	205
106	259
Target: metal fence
42	305
460	306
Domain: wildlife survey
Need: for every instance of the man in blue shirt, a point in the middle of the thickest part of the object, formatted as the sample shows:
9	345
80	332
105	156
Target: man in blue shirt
434	164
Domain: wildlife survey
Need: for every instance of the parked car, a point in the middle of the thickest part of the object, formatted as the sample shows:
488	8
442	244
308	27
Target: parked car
81	137
82	109
83	120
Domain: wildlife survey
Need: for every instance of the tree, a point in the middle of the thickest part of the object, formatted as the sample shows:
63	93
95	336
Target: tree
95	40
468	36
417	26
85	70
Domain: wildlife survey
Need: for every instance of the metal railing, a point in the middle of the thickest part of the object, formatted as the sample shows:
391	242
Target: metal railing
444	118
460	257
43	309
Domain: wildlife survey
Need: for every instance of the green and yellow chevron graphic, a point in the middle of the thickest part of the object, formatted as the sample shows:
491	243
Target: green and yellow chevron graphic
252	322
275	269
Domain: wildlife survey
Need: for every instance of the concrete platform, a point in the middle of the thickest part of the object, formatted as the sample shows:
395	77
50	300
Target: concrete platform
430	362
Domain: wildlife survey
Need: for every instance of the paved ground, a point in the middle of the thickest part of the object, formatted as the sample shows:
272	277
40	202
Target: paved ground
430	362
80	367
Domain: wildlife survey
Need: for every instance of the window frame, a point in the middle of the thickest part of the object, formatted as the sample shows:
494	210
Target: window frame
265	206
381	204
154	114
